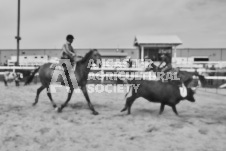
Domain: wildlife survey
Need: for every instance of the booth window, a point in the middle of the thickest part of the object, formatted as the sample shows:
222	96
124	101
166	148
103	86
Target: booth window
155	53
201	59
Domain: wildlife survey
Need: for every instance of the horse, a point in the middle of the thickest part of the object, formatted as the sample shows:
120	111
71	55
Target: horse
12	76
185	76
81	74
217	82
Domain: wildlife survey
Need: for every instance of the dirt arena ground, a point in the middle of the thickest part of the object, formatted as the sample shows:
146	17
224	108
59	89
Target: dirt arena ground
201	126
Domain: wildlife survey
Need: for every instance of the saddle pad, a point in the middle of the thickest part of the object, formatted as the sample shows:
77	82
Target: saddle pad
57	67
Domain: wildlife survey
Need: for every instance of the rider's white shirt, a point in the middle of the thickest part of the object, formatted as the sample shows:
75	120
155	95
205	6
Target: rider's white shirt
68	49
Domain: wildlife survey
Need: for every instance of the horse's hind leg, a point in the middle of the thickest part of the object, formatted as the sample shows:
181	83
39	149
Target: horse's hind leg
68	99
50	97
37	94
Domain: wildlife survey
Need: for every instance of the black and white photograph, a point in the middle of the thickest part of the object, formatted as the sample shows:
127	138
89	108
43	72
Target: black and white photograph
122	75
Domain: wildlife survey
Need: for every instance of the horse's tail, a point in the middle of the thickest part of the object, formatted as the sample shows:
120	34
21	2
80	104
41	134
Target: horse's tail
201	78
31	77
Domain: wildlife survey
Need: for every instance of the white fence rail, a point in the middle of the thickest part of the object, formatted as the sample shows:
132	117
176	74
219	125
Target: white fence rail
126	69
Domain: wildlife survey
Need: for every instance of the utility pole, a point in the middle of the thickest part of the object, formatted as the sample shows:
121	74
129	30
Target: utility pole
18	38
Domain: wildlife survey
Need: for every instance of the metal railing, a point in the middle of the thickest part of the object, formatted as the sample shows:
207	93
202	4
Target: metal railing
214	81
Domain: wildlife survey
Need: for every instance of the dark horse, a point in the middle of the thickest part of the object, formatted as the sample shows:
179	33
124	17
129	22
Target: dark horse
81	74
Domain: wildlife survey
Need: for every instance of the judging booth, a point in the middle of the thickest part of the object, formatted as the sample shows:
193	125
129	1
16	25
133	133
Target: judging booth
152	47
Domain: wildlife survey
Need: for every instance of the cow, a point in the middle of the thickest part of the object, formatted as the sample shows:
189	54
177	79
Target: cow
12	76
165	93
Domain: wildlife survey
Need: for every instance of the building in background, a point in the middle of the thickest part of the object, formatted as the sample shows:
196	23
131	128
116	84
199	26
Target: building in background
202	54
150	47
182	54
38	55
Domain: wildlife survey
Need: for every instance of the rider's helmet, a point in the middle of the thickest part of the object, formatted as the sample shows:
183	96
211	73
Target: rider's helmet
69	37
166	58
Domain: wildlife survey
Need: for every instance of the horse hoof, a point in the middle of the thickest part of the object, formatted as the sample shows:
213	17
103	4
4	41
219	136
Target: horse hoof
56	109
95	113
33	104
124	109
59	110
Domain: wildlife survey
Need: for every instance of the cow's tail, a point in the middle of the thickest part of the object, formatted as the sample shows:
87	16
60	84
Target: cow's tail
31	77
130	88
201	78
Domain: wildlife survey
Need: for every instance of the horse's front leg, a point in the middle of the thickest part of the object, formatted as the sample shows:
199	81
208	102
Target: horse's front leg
68	99
84	90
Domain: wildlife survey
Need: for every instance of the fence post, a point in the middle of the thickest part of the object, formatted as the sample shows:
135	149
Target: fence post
217	84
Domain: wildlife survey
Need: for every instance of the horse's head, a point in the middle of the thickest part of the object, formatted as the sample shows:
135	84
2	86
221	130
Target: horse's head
19	75
96	57
152	67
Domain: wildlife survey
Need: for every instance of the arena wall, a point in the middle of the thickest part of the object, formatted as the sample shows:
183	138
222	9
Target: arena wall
214	54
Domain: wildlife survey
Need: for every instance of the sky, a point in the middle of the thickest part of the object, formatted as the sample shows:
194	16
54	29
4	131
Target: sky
112	23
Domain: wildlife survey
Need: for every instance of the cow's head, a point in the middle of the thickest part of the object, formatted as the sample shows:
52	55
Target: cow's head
187	93
190	95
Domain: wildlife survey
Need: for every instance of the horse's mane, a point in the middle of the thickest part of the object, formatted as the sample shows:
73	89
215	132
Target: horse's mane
87	56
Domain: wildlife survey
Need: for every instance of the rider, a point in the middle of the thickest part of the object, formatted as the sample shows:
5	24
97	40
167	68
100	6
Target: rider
68	52
167	67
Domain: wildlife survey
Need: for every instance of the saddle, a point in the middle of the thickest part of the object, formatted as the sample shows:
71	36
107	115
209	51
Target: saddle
55	66
59	67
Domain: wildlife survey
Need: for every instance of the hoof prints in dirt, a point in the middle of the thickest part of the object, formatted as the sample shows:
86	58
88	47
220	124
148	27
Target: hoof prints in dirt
152	129
203	131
